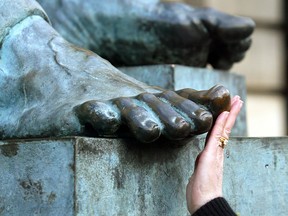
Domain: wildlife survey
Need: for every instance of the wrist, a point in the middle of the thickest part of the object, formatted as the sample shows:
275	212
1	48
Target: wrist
215	207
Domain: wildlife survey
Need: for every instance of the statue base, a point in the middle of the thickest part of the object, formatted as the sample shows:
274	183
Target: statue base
175	77
93	176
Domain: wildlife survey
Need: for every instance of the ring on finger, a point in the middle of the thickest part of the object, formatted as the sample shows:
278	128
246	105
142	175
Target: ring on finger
223	142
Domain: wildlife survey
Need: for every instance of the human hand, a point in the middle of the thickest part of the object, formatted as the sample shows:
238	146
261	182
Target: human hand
206	182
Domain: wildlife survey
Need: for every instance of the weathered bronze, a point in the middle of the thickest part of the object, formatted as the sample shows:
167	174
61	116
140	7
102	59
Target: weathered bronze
150	115
141	32
50	87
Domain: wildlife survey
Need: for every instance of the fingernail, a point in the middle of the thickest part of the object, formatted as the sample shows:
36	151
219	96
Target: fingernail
241	103
226	113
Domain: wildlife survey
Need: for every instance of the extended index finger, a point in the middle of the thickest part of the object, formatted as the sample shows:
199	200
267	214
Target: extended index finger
235	109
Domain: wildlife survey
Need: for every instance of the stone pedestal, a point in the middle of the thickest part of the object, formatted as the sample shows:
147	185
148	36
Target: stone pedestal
87	176
174	77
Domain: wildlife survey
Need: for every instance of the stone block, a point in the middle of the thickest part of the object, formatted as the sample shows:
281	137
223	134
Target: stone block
87	176
174	77
37	177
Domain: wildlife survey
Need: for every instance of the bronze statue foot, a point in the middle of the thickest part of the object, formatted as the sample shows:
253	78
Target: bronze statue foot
147	116
140	32
53	88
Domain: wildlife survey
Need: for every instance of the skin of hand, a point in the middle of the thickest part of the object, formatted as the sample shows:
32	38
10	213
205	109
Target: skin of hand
205	183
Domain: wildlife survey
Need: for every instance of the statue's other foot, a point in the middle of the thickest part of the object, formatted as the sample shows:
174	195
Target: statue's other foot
230	37
53	88
141	33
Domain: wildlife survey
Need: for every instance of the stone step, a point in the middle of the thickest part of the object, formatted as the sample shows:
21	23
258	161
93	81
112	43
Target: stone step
174	77
93	176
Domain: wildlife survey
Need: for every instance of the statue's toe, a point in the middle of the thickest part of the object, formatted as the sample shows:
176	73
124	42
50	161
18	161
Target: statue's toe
226	27
102	116
141	122
233	28
217	99
175	126
199	118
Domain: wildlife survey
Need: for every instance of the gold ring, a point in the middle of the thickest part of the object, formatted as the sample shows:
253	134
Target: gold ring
223	142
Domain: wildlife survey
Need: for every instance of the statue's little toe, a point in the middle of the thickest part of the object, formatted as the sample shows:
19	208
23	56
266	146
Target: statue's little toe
217	99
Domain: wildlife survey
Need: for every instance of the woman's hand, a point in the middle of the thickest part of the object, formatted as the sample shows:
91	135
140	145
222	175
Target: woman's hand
206	182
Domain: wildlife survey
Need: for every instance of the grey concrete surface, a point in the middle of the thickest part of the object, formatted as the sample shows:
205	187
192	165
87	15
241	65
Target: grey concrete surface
37	178
175	77
88	176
